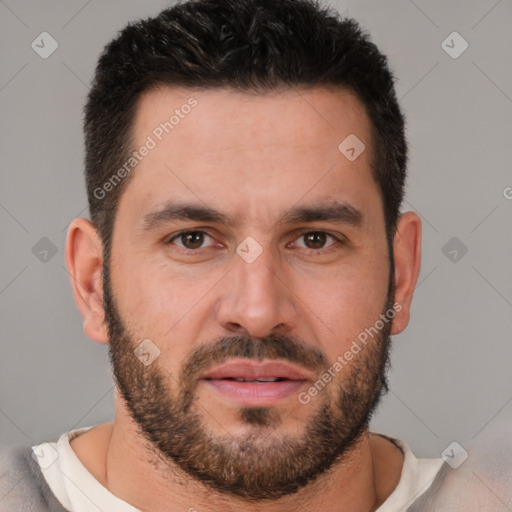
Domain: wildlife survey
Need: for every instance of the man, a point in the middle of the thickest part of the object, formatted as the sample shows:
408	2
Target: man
247	262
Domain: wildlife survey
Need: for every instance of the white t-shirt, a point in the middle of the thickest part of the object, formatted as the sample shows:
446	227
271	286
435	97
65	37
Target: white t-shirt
79	491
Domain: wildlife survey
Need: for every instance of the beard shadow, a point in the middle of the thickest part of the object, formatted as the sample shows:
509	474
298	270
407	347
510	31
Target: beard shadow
253	466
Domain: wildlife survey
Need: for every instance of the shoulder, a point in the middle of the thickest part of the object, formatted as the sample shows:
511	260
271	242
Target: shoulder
22	484
15	476
475	477
14	463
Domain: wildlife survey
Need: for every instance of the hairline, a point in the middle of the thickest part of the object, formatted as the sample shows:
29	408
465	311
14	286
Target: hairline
160	85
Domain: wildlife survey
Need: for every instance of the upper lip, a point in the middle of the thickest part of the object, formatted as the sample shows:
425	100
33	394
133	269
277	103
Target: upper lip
252	370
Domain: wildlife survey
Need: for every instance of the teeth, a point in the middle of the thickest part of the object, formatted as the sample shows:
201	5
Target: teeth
259	379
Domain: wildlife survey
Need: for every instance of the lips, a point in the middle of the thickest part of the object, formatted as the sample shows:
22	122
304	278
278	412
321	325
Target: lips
252	371
256	383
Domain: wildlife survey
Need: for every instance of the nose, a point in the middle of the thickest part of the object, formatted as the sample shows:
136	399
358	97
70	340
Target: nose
257	298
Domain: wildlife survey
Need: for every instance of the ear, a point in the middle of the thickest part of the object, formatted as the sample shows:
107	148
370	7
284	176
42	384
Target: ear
84	259
407	256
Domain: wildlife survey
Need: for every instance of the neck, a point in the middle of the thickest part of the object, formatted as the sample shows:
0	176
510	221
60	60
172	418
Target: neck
125	463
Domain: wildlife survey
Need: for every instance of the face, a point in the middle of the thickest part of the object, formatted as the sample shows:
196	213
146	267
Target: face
249	258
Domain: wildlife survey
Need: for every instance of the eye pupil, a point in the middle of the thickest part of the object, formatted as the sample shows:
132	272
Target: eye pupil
195	239
192	240
315	240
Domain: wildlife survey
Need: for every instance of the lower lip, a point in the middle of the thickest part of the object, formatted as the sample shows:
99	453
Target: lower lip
250	394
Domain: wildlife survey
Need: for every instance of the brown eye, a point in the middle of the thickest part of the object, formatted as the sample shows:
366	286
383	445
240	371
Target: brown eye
315	239
318	242
190	239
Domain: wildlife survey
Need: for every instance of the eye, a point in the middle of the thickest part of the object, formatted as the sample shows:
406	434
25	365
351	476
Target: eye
315	240
190	240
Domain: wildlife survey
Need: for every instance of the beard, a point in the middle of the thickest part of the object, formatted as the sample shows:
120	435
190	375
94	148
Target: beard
259	464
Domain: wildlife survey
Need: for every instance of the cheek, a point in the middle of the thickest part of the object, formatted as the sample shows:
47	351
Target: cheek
345	302
161	303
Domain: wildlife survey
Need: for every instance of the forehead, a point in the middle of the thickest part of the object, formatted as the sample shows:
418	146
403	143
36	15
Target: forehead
284	118
249	151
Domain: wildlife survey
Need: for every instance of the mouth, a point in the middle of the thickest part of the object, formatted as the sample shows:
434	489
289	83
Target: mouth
256	383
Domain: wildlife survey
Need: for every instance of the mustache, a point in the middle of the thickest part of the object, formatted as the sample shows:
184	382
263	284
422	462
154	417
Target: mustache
247	347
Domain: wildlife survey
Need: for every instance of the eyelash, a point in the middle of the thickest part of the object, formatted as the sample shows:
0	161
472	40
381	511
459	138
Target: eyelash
301	233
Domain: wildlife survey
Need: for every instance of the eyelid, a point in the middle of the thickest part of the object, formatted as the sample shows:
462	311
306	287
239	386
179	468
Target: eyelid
174	236
338	238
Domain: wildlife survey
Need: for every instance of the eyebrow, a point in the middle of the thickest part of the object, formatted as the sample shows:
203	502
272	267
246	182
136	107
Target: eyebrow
338	212
173	212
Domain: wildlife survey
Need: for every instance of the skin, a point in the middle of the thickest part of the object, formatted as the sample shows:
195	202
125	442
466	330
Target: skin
252	157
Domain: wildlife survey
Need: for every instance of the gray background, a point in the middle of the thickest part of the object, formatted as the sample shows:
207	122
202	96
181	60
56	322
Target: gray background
451	373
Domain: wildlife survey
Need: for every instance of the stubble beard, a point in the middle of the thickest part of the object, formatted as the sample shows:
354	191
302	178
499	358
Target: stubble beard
262	463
